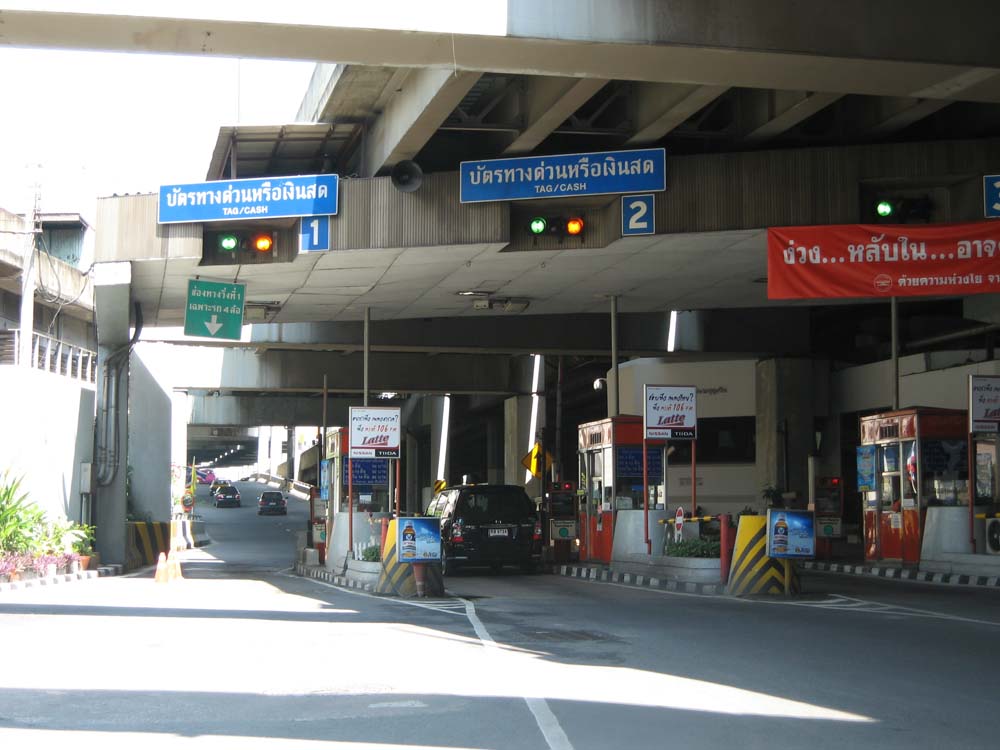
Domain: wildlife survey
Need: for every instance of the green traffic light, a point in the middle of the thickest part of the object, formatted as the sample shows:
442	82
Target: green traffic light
884	209
228	242
538	225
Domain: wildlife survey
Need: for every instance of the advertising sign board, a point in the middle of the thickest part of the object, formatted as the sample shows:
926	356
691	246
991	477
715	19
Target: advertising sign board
418	539
670	412
866	467
876	260
791	534
375	432
984	403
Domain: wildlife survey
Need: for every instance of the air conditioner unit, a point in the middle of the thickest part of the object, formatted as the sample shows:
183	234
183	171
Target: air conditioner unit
993	536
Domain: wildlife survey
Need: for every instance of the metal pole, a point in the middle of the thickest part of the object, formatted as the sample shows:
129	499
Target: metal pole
895	353
29	273
559	396
694	478
368	321
614	354
645	498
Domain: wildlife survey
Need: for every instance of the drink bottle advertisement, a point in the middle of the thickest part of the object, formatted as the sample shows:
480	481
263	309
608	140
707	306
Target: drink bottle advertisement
791	533
419	539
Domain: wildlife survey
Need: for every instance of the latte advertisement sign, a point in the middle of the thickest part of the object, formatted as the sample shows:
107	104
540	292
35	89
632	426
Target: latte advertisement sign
375	432
670	412
984	403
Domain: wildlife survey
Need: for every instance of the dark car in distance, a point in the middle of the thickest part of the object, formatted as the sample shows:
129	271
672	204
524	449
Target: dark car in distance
272	502
227	496
489	525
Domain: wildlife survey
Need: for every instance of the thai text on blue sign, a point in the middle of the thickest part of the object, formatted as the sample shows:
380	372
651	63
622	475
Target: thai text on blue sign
599	173
367	471
629	462
261	198
991	196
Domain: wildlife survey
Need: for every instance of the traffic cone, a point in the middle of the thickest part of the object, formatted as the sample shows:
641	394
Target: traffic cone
162	572
175	569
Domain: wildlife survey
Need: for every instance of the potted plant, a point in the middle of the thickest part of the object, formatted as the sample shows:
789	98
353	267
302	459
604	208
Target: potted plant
83	545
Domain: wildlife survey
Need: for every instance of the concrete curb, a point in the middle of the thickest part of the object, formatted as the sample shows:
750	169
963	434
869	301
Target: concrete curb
605	575
322	574
84	575
903	574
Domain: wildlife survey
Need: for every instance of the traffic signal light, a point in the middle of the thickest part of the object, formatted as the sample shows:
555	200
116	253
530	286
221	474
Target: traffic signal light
556	226
902	209
241	240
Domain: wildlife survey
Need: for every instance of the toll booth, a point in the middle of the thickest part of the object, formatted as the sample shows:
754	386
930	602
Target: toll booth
909	460
560	524
370	492
827	503
610	471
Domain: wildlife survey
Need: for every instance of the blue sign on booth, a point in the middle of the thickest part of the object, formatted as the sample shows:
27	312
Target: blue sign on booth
259	198
637	215
367	471
629	462
991	196
562	175
314	234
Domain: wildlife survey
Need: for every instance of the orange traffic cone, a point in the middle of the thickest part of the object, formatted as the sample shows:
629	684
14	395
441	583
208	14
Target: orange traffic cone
162	572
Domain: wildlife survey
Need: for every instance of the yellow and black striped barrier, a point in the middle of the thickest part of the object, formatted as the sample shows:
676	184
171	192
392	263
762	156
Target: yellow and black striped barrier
752	571
146	540
396	578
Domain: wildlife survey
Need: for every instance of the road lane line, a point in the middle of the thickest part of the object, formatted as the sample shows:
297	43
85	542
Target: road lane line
547	722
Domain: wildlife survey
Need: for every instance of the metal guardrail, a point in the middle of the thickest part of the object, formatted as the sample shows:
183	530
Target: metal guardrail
51	355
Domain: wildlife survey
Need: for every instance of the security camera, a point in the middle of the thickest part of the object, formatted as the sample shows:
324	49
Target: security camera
599	384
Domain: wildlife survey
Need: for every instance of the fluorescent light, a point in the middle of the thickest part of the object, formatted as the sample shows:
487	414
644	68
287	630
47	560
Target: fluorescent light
534	410
672	335
443	444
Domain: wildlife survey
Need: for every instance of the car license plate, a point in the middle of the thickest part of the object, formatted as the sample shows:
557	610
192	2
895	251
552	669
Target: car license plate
498	532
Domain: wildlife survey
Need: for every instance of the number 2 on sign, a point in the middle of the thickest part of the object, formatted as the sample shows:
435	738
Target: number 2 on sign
637	223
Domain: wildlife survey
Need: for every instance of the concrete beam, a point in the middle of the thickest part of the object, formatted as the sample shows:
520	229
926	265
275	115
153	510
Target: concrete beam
785	115
915	111
252	410
548	102
661	107
413	116
783	44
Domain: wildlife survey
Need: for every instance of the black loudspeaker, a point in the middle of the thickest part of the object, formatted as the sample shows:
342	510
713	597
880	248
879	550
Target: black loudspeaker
407	176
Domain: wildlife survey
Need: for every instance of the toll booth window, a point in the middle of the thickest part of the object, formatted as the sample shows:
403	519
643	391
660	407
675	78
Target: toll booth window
945	472
721	440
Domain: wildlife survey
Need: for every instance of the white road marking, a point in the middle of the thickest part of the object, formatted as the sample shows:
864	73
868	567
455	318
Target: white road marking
836	602
399	704
547	722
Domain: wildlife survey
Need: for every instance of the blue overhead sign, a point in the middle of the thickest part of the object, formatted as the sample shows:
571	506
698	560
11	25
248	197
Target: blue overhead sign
637	215
991	196
267	198
562	175
314	234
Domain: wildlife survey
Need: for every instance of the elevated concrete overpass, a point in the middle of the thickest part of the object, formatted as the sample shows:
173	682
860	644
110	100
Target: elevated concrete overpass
772	113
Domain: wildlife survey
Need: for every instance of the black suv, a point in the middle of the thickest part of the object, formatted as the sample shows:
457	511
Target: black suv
487	524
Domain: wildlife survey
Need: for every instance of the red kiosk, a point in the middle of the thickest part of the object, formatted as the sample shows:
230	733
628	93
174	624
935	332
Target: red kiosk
908	460
611	480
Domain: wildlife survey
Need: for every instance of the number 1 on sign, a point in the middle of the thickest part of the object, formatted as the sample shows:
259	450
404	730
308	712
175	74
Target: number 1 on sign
314	234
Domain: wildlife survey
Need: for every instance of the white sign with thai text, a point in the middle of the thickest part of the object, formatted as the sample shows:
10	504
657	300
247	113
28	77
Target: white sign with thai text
375	432
984	403
671	412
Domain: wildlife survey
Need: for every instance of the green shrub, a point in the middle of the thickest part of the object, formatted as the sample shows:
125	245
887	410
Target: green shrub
371	554
22	524
695	548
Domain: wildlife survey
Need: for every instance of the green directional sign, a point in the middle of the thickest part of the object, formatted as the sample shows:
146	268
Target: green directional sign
214	309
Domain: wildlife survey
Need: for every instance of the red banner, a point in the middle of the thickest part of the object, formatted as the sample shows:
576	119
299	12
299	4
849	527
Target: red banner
875	260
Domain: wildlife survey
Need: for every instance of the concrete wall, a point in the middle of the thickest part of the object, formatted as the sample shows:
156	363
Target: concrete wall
47	431
150	438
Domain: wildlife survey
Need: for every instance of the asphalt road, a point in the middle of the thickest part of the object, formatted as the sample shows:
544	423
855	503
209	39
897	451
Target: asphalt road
242	653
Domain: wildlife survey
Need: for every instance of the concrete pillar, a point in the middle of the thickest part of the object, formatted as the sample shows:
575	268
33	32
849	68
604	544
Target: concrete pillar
790	394
111	302
412	497
440	421
290	455
494	452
